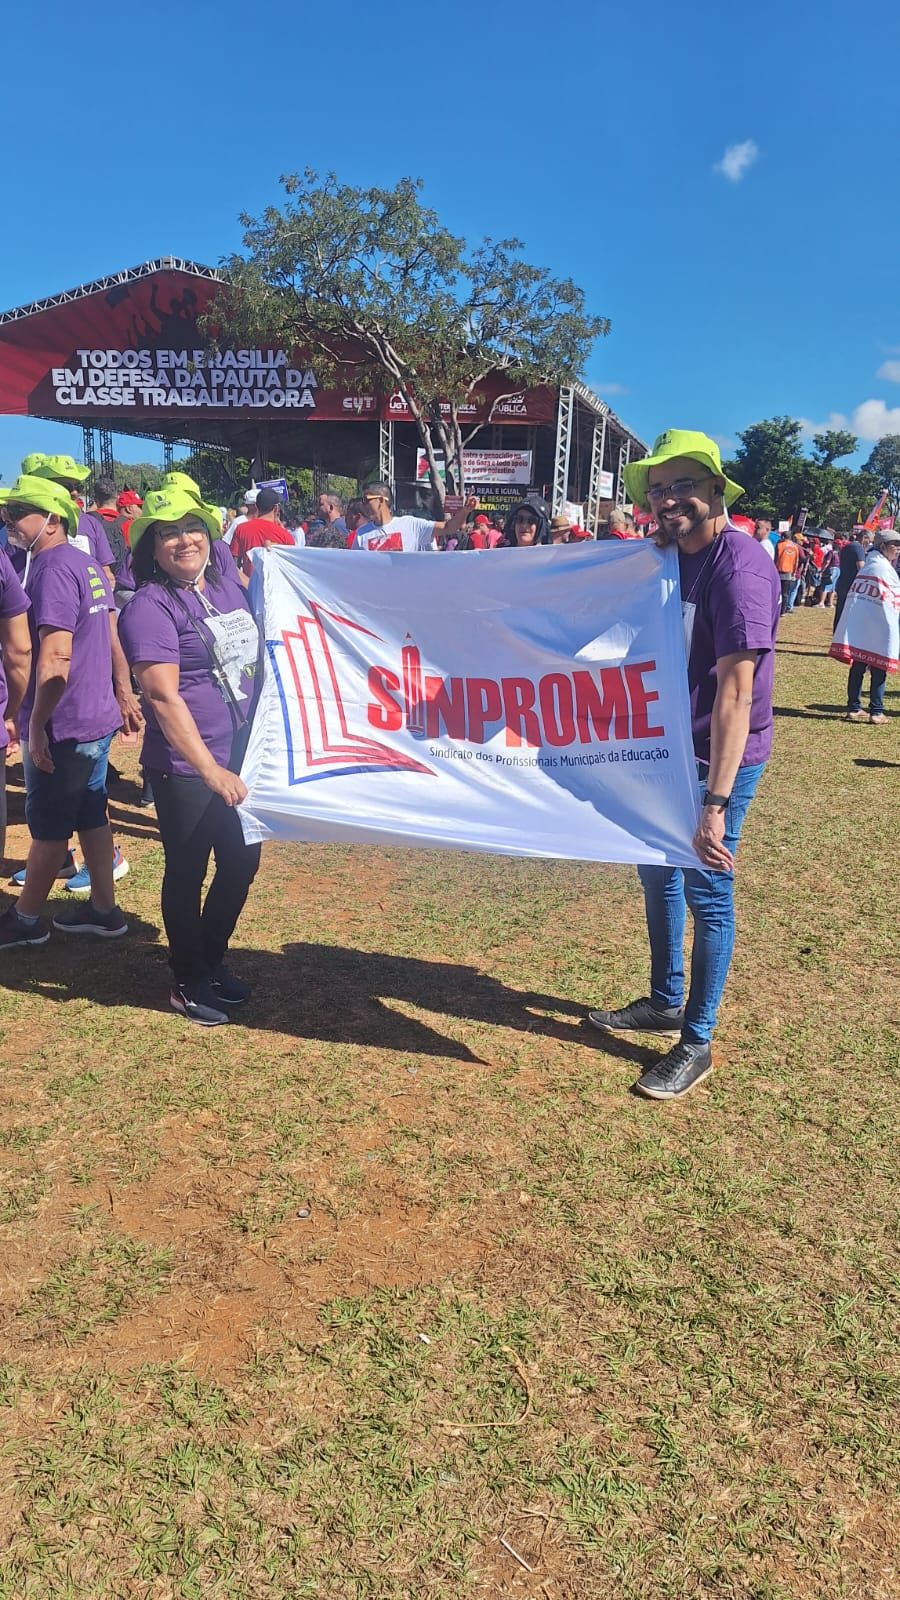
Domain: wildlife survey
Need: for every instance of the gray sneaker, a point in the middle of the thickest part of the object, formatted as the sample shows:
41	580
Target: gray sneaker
677	1073
641	1016
87	919
13	931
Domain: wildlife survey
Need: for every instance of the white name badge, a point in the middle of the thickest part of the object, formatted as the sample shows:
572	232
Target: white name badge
236	644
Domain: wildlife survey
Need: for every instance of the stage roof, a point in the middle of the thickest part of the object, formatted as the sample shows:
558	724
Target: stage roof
123	354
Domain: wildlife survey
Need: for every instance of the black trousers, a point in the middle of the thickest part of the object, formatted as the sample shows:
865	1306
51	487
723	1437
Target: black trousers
194	822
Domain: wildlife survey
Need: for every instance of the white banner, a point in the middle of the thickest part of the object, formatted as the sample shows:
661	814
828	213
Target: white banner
531	702
484	466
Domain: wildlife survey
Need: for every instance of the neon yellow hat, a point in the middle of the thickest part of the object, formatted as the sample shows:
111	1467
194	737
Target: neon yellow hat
44	495
32	462
180	480
678	442
62	468
170	505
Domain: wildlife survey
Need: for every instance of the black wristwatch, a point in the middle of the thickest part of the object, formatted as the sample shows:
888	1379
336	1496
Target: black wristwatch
720	800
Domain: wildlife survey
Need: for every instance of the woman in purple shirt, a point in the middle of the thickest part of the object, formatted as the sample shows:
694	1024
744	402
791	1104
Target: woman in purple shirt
193	645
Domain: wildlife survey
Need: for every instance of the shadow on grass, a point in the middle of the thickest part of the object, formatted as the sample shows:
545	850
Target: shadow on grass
870	761
313	991
818	713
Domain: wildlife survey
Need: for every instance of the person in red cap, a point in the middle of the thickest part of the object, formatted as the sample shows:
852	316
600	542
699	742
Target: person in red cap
483	535
128	504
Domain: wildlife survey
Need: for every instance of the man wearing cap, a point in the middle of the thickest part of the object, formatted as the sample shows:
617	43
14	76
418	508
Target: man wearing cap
68	715
259	531
731	601
867	634
384	531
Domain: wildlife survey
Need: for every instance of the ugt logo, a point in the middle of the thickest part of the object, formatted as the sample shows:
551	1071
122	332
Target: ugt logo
318	714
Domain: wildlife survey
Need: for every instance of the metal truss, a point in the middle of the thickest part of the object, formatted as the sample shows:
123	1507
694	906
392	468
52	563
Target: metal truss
564	422
168	453
87	449
624	458
114	281
386	453
598	452
106	452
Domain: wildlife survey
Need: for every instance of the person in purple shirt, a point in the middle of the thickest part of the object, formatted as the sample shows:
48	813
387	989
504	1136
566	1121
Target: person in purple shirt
90	536
194	645
731	602
15	666
67	717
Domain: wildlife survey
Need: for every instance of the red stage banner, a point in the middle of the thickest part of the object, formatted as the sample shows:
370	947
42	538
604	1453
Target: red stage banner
132	353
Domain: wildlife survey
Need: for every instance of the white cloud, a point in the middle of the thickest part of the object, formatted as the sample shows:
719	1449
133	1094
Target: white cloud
889	370
612	388
725	444
873	419
808	430
737	160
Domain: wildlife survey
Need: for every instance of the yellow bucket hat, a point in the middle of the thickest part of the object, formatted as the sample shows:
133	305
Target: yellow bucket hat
44	495
170	505
678	442
62	469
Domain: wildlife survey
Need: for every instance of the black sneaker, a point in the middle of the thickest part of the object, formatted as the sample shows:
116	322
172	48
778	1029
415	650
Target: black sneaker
199	1003
641	1016
15	931
229	990
677	1073
87	919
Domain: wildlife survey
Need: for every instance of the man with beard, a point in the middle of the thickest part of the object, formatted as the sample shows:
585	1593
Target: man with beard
731	601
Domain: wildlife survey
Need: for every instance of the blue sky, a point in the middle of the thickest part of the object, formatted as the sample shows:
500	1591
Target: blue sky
591	130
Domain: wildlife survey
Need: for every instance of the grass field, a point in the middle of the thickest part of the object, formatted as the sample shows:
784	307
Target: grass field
395	1290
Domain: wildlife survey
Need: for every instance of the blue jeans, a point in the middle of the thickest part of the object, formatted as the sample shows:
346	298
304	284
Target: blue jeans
72	798
710	895
855	677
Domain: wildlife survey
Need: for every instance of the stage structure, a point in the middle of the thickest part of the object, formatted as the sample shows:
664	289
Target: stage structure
123	355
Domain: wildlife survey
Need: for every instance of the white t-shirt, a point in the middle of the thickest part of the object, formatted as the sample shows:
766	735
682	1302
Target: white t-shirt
229	533
401	533
767	546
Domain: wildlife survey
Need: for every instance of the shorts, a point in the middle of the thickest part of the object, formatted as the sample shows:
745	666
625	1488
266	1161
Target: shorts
71	799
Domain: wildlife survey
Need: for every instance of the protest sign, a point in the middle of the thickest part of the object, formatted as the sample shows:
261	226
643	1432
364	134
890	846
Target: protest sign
534	704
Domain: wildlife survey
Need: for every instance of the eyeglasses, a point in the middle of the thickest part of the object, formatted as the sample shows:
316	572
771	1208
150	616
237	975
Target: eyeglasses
373	499
167	534
681	489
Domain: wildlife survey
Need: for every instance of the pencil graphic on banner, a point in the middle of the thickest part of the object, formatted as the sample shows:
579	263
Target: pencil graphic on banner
412	689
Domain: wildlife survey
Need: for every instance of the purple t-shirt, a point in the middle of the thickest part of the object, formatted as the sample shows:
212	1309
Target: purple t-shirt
158	625
13	601
91	539
737	595
67	590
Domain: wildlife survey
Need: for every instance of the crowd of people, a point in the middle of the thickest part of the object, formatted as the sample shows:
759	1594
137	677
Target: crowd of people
134	617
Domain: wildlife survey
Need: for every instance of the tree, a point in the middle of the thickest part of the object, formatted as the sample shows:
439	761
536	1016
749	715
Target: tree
884	465
139	475
769	463
778	478
373	276
834	443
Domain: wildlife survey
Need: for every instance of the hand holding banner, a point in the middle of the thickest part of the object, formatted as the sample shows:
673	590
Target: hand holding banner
532	704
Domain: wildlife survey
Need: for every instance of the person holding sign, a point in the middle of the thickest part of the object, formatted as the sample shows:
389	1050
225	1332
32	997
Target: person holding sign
384	531
193	645
731	602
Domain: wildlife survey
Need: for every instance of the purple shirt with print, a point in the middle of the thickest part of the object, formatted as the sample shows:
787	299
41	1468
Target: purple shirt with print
737	594
13	602
158	626
69	591
91	539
